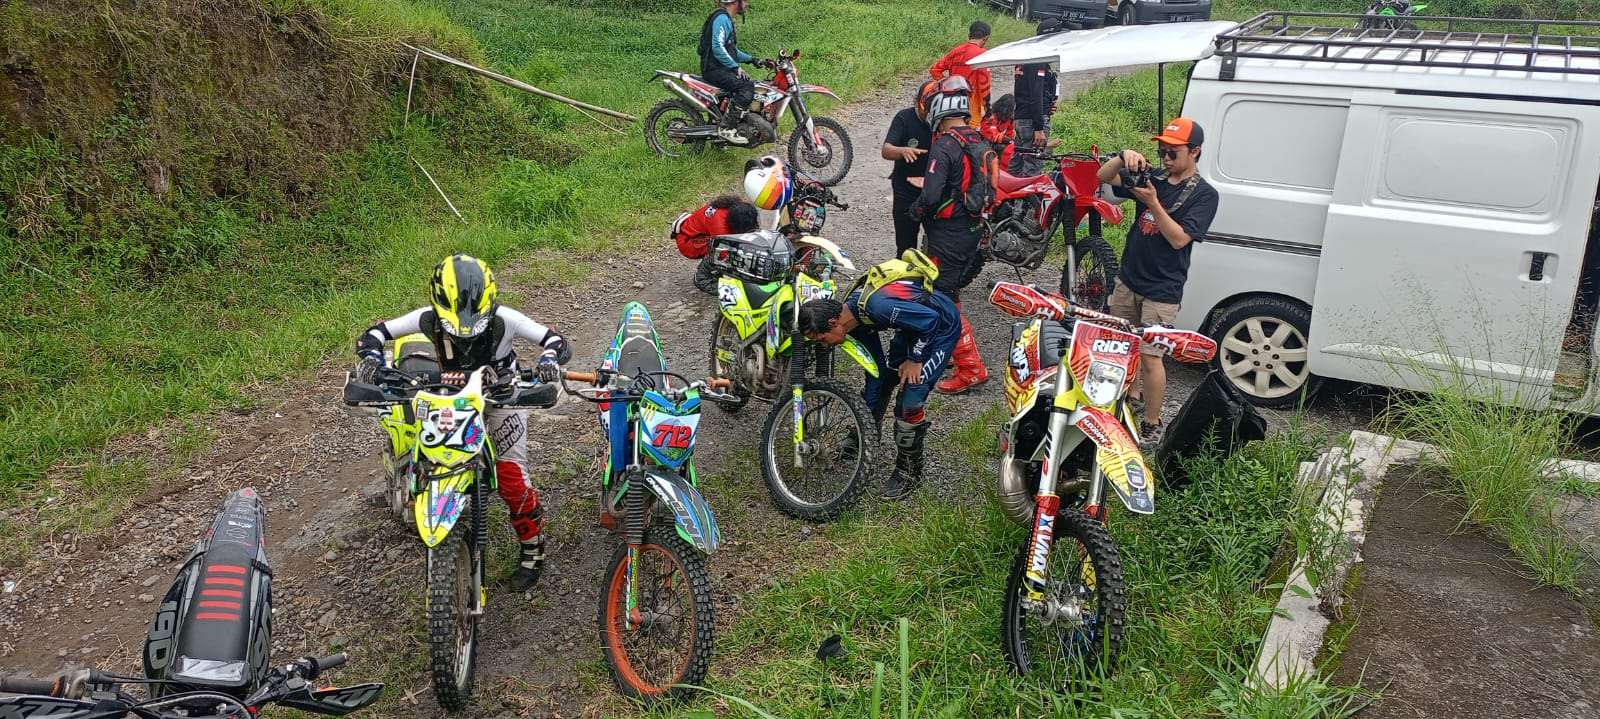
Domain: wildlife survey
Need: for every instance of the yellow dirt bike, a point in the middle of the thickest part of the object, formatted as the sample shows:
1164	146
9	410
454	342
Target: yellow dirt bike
1069	436
452	475
816	449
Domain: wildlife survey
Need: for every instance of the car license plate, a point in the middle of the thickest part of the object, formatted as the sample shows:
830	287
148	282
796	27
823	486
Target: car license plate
1182	18
1074	15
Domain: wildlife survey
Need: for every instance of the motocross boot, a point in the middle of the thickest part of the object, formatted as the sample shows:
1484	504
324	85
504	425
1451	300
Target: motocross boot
907	460
705	276
966	370
529	565
728	128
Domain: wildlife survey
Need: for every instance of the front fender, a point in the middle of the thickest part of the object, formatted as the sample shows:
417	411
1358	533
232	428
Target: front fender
690	512
1119	458
817	90
860	354
439	503
839	257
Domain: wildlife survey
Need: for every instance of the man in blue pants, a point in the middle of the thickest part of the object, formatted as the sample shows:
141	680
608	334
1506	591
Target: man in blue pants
927	326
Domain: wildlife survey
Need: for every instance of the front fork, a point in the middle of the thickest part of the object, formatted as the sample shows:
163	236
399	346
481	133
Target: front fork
798	366
636	524
802	121
1042	539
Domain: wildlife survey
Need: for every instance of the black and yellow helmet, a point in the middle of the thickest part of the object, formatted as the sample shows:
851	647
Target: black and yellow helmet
463	292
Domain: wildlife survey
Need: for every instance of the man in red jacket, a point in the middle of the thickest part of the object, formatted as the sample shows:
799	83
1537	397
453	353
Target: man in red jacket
954	64
726	215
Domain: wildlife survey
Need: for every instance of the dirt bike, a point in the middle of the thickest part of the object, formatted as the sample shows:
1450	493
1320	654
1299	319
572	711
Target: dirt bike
689	121
1069	435
656	621
756	343
207	651
1391	15
1031	208
452	473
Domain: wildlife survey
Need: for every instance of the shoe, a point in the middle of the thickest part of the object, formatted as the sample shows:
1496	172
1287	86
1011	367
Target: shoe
530	565
705	276
1149	434
967	370
907	474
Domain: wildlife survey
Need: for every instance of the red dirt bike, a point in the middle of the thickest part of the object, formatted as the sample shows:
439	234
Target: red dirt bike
818	145
1030	210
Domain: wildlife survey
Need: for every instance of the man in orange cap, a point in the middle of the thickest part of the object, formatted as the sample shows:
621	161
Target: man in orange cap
1172	211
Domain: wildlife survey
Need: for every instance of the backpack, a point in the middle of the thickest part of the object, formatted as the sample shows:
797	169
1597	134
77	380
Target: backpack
982	170
913	264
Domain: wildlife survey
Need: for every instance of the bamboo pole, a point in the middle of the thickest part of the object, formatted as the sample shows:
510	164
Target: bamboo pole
439	189
518	84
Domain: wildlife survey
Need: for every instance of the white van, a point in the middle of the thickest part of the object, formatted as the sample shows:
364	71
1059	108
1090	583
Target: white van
1396	206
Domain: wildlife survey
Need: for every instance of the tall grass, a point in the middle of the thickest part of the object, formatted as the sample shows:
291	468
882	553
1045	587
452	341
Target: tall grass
1199	602
1495	454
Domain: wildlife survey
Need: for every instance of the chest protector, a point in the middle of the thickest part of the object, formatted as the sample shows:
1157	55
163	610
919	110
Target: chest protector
463	355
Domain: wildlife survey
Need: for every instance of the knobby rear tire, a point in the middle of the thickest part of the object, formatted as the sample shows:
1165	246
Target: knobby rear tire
731	373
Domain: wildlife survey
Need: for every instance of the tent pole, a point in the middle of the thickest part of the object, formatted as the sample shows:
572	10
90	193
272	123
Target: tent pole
1161	95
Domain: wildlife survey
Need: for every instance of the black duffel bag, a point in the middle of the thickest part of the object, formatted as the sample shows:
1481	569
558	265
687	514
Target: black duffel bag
1216	406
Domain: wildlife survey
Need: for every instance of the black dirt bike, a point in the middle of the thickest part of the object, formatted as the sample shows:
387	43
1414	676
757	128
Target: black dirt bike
207	651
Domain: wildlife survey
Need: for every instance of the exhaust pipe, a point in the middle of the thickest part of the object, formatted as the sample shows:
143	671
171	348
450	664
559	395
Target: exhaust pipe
1016	500
670	85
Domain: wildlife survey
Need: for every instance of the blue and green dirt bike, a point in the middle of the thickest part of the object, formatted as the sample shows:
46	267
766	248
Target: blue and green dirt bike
817	447
656	621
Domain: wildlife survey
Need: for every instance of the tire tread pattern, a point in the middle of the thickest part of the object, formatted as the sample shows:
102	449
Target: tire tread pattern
791	505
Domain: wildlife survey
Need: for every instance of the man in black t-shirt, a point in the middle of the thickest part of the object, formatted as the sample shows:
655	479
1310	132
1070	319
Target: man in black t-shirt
1035	90
1170	215
907	145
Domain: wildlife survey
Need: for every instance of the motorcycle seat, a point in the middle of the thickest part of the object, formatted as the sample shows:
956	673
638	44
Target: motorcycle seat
1011	184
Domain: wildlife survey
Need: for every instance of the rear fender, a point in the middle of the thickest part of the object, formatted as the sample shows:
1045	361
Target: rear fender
691	514
1119	458
333	701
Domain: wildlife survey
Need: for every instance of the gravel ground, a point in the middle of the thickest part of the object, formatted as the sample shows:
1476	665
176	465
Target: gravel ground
347	575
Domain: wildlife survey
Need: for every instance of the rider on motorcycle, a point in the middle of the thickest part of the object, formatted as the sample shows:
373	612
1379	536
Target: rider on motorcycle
470	329
719	65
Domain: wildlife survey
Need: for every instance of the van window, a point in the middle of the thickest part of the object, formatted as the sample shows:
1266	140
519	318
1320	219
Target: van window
1272	142
1475	162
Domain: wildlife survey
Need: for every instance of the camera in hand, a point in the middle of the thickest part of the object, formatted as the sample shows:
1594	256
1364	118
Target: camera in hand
1142	177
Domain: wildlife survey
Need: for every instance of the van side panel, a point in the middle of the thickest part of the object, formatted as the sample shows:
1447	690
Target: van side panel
1454	242
1220	269
1272	152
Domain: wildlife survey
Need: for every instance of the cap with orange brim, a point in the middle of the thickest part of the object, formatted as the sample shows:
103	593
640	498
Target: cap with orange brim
1181	131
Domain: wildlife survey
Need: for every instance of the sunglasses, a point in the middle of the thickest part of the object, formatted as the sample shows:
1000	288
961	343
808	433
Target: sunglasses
1169	154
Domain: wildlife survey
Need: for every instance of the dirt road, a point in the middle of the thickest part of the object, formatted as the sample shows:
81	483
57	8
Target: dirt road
347	575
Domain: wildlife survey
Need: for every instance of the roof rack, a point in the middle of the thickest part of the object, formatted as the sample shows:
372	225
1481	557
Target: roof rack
1416	41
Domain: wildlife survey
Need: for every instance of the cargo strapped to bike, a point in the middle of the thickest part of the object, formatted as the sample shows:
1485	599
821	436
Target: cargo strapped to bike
913	264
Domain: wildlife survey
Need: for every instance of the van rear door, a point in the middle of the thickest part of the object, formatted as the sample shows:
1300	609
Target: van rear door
1454	242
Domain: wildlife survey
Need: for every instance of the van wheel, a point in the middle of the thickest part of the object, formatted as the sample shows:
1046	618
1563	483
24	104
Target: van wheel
1126	14
1262	349
1021	10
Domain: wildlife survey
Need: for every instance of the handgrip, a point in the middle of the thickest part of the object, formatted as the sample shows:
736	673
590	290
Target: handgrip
581	376
23	685
719	383
332	661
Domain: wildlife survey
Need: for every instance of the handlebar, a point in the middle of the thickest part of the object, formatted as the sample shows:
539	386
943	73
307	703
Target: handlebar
604	390
392	386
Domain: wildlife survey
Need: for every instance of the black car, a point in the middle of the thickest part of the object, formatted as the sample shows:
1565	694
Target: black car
1090	14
